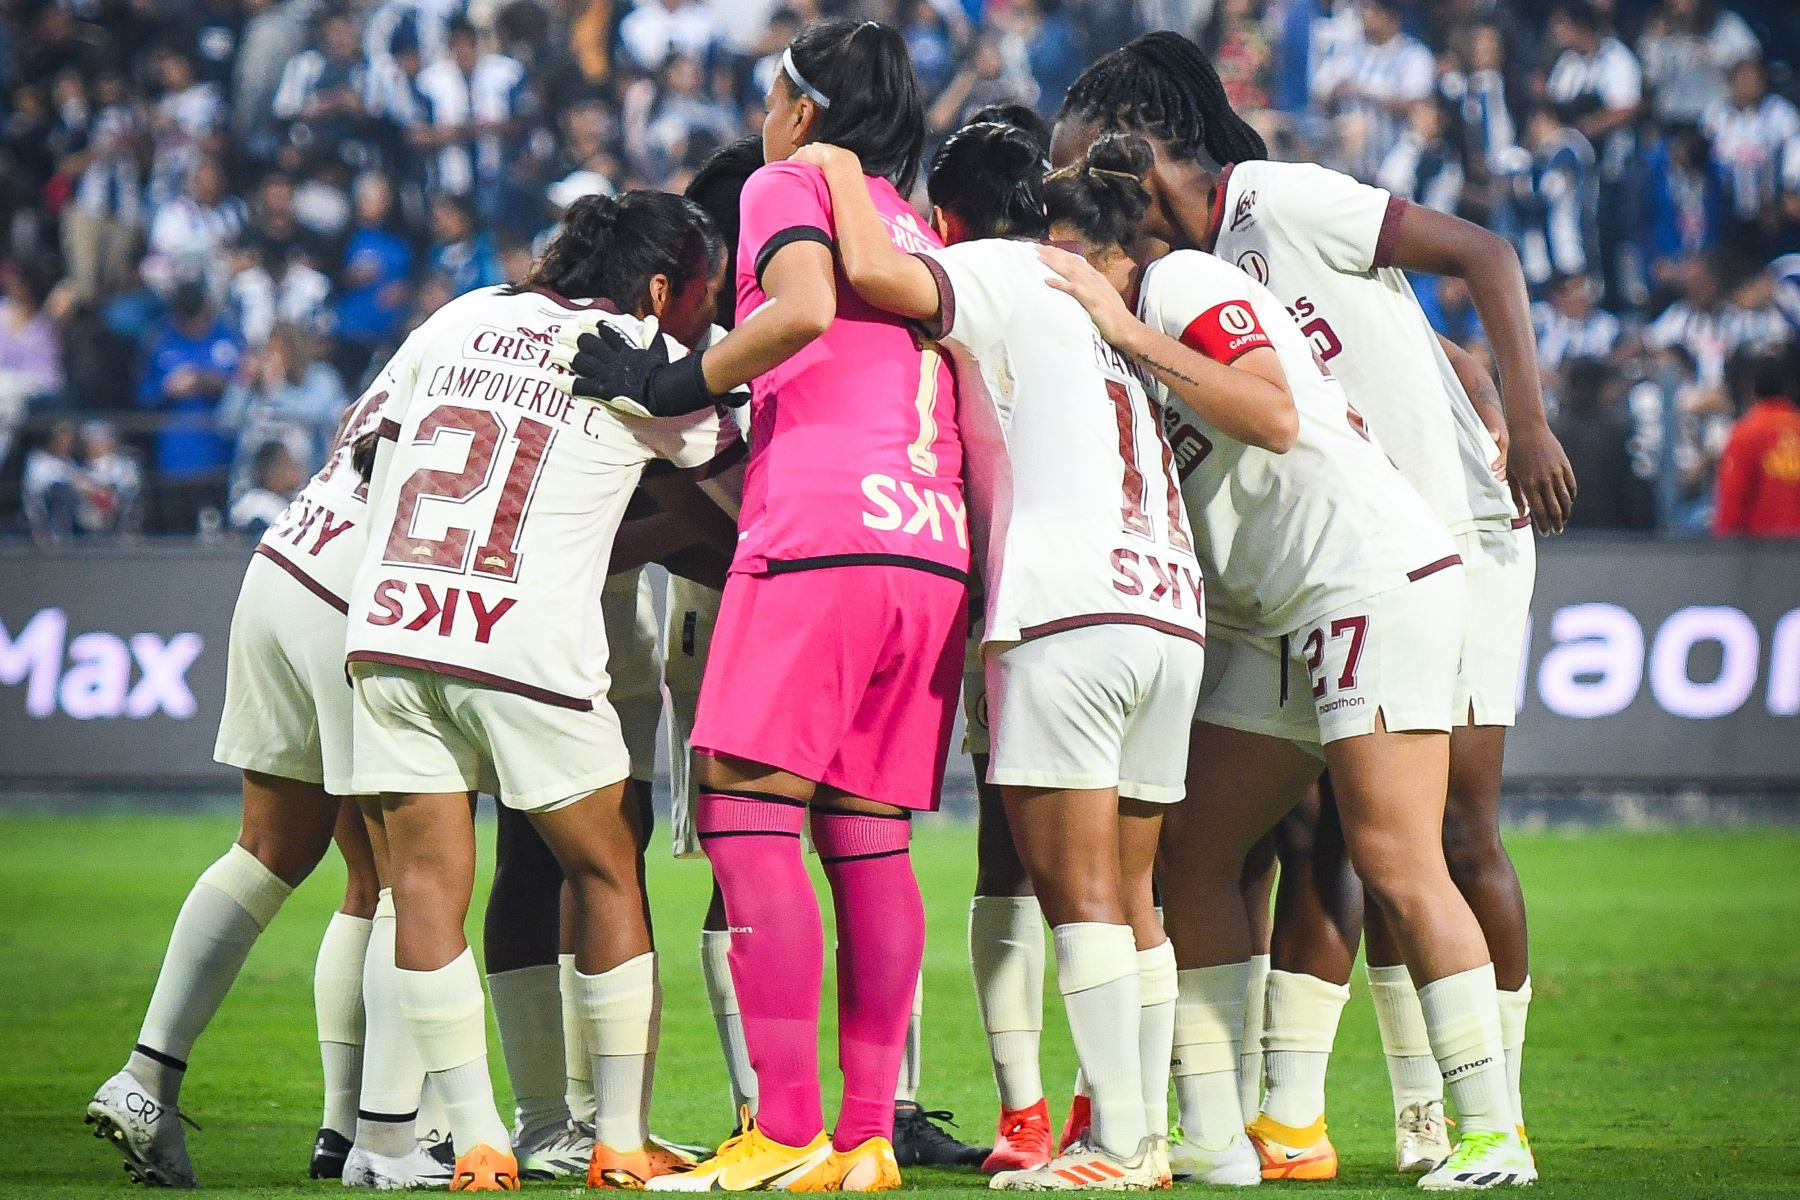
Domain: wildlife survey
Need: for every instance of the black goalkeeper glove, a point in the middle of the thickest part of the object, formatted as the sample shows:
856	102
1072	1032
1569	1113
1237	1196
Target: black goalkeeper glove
637	381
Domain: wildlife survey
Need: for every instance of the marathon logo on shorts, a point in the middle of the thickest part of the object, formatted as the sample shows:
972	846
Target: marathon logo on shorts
1175	584
96	680
442	609
902	506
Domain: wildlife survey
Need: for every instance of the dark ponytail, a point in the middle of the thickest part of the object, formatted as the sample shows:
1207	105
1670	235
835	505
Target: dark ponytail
609	249
991	177
1103	197
1163	85
866	71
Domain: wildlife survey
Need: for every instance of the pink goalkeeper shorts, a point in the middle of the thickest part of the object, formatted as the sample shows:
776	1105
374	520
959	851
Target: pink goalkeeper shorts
847	676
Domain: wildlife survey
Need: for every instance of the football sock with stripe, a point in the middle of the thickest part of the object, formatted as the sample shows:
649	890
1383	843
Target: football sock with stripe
1300	1025
231	903
338	1013
1209	1019
1097	973
1462	1014
777	951
881	944
1006	955
393	1078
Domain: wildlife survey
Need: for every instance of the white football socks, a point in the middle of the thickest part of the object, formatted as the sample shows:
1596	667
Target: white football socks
618	1009
578	1062
1250	1049
912	1062
528	1012
1300	1024
447	1013
338	1012
1156	1031
1097	972
231	903
1514	1007
1462	1013
392	1076
1412	1069
1006	953
1209	1020
721	995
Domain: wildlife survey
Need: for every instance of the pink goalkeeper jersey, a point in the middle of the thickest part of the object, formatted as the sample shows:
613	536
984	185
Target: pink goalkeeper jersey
854	451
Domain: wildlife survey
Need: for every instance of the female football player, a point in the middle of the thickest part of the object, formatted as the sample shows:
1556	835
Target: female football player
1334	251
1327	573
476	664
286	726
832	679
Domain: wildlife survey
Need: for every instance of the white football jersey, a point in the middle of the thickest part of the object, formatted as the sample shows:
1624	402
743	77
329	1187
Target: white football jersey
319	536
1317	239
1283	538
1073	505
492	523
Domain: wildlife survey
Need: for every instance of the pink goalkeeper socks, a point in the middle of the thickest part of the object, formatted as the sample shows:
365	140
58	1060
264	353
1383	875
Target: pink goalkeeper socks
881	941
777	952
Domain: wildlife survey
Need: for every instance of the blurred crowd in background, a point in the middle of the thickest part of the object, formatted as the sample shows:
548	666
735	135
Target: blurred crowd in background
220	215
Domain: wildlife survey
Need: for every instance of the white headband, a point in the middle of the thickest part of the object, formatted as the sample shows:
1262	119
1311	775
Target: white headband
808	90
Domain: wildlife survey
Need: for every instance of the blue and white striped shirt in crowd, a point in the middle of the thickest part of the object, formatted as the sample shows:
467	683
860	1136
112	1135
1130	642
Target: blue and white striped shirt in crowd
1747	143
1559	209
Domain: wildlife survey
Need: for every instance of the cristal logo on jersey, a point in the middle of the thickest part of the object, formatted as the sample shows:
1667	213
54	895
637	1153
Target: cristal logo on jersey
1242	215
1253	264
516	345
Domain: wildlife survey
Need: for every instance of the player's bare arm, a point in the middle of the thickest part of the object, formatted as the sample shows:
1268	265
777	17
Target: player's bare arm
882	275
1541	477
1479	386
1248	400
802	302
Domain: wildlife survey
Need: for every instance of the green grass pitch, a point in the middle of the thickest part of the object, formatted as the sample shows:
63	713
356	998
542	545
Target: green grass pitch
1664	1057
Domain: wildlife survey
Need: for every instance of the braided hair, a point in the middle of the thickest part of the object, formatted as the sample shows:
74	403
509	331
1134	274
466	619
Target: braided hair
1163	85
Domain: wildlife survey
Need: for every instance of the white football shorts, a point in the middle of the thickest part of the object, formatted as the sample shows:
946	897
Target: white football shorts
1501	567
634	664
1393	654
1099	706
420	731
287	702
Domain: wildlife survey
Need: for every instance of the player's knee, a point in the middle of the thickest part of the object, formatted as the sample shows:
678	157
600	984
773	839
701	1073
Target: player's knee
290	855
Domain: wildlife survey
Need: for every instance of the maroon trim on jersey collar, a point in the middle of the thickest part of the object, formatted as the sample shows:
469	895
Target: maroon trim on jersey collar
1390	232
1432	568
499	683
1217	217
599	304
1112	618
306	581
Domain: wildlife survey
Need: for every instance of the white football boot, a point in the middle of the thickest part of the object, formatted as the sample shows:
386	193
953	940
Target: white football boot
143	1129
